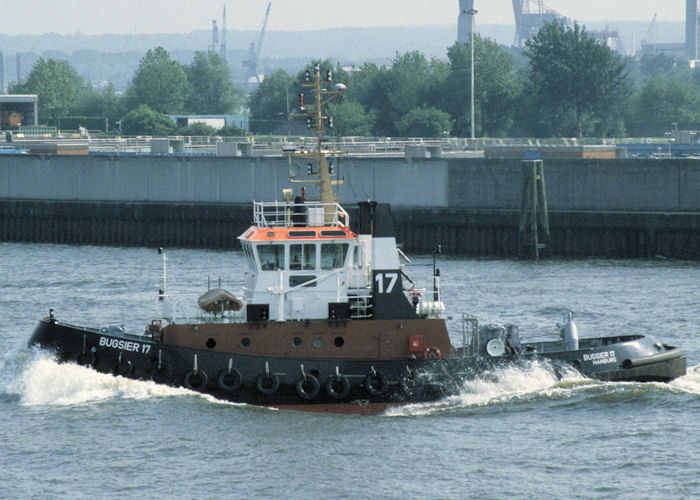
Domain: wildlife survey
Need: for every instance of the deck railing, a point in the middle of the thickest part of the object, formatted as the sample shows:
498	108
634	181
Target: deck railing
307	214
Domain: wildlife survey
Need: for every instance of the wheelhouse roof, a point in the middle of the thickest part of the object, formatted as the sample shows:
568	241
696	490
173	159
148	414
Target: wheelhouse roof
306	233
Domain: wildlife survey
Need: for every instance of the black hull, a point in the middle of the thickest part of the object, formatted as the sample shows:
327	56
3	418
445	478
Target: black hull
324	385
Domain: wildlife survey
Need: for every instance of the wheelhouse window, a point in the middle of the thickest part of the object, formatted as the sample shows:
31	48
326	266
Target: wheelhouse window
271	257
306	280
302	257
333	255
250	259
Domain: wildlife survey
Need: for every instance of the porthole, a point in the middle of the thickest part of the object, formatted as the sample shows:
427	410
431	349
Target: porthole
296	341
211	343
245	342
339	341
318	341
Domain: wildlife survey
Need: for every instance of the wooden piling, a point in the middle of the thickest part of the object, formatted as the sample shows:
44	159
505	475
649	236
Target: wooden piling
533	230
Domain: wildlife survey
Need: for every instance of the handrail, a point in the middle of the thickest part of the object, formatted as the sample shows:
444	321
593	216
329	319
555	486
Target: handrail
306	214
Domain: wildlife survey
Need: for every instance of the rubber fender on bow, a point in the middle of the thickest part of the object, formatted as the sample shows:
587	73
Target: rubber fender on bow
412	387
230	381
267	384
376	383
308	387
124	368
196	380
87	358
337	387
157	375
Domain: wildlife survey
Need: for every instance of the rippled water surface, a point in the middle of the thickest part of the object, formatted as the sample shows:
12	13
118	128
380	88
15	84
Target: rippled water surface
69	432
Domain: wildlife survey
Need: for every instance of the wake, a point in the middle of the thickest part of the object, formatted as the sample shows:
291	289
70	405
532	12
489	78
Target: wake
536	381
37	379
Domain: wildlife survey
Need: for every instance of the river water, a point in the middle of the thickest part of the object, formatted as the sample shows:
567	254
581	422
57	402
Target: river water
66	431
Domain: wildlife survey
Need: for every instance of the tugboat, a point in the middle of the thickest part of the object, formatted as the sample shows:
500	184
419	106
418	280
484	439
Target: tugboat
328	320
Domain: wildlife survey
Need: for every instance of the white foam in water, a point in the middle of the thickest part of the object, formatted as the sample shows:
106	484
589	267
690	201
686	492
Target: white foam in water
500	386
43	381
690	382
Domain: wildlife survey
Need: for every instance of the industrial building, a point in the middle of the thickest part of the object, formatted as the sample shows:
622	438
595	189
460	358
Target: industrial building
531	15
18	110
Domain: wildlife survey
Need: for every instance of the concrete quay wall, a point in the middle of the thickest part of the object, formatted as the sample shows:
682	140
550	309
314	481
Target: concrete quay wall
611	208
598	185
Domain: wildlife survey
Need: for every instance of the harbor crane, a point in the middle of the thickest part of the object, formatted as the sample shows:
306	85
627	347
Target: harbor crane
223	48
254	54
530	15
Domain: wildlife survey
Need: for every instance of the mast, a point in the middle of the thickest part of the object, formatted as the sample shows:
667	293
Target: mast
317	121
326	190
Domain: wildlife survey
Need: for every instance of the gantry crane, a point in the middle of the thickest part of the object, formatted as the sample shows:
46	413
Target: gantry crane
529	20
254	54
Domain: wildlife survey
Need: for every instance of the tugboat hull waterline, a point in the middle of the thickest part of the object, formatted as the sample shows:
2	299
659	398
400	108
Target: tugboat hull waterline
330	321
400	369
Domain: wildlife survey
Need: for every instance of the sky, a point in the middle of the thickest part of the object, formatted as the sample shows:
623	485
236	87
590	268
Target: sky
181	16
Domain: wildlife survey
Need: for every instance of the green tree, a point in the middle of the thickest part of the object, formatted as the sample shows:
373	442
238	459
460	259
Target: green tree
213	90
57	85
424	122
496	88
360	83
350	118
393	92
197	128
578	83
666	100
652	65
160	83
270	101
231	131
146	121
103	102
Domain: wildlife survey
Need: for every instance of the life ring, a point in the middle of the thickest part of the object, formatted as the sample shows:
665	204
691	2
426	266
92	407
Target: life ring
308	387
267	384
87	358
337	387
196	380
376	383
432	352
230	380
